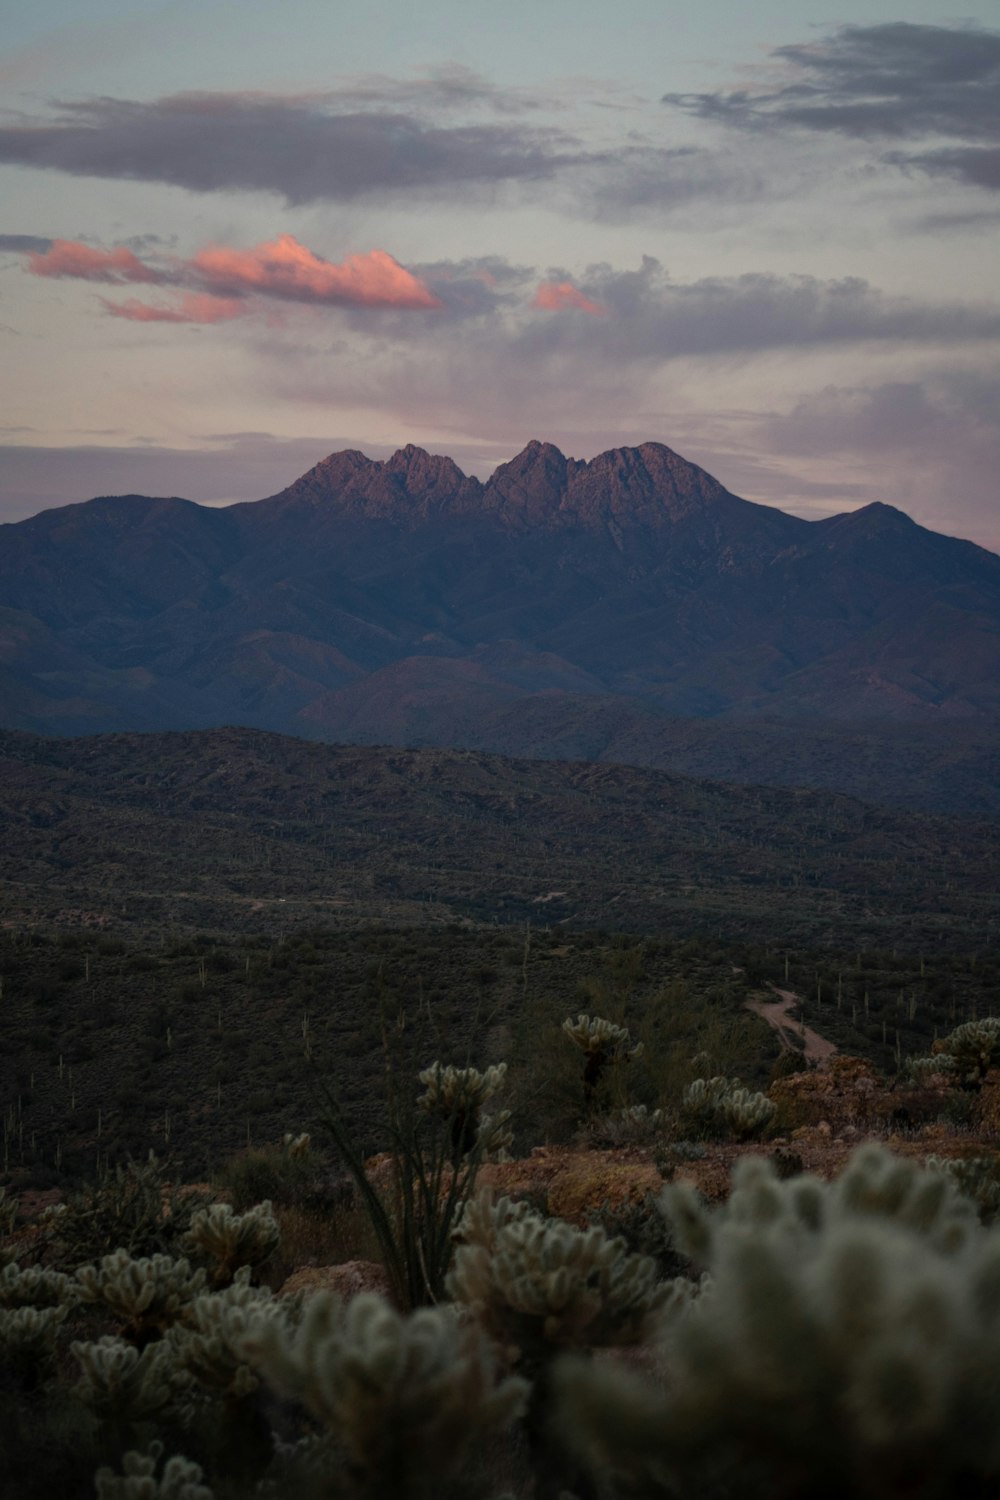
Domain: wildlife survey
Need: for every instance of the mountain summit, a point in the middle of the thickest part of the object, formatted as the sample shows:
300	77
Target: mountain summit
404	601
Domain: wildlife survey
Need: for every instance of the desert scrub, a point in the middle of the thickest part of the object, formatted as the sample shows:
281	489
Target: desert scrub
978	1178
227	1240
147	1295
414	1206
602	1042
644	1231
288	1172
135	1208
403	1397
846	1341
210	1339
36	1286
28	1338
965	1056
633	1125
543	1285
124	1386
179	1478
715	1108
456	1097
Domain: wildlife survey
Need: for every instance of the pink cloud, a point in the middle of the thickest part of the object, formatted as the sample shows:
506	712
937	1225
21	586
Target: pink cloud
221	277
71	258
557	296
284	268
194	307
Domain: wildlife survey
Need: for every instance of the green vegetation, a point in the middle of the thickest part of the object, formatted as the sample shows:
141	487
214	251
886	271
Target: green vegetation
144	1350
243	832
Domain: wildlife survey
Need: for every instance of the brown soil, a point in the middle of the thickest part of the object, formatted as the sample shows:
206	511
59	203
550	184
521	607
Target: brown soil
816	1049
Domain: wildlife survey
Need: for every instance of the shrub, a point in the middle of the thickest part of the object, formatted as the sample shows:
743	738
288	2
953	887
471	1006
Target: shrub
717	1107
403	1397
847	1341
602	1042
133	1207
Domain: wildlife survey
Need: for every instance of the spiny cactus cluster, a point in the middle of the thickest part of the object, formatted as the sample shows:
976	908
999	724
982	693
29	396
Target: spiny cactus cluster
594	1034
179	1479
36	1286
542	1284
133	1207
209	1342
28	1343
456	1096
120	1382
718	1107
633	1125
601	1041
228	1240
147	1294
404	1397
965	1056
977	1177
847	1340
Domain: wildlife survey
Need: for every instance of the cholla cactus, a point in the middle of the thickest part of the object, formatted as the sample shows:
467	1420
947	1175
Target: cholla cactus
403	1396
544	1285
722	1106
847	1342
966	1055
119	1383
456	1096
601	1041
36	1286
210	1341
28	1343
495	1137
924	1070
297	1147
977	1177
180	1479
633	1125
148	1293
231	1240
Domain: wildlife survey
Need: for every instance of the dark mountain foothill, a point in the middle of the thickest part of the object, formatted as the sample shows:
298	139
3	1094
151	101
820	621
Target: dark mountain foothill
627	608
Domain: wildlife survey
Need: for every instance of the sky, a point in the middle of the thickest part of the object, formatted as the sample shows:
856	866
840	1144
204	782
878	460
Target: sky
236	237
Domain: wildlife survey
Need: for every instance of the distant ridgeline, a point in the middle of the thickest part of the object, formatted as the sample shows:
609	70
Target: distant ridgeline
629	609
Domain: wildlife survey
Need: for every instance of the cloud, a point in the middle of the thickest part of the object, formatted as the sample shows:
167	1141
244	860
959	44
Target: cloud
21	244
383	139
976	166
286	269
194	307
306	150
896	81
70	258
219	275
558	296
653	317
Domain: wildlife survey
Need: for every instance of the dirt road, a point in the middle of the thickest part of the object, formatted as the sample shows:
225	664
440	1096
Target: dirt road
777	1013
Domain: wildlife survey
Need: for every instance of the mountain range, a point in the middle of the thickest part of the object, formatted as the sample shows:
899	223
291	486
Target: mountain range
561	608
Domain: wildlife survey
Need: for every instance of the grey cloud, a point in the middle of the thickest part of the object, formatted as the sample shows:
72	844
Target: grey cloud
24	244
977	166
654	317
449	85
306	151
893	80
344	147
